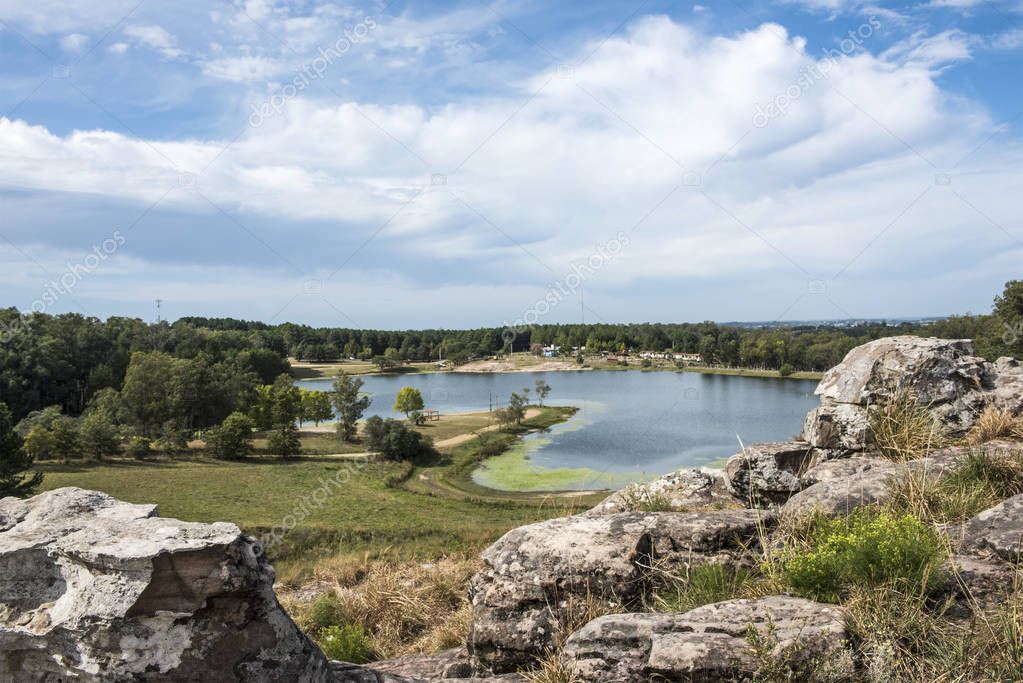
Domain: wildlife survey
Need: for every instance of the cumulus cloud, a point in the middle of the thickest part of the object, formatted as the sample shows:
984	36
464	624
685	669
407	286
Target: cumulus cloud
156	38
653	135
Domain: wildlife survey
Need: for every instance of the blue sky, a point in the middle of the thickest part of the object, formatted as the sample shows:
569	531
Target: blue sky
479	163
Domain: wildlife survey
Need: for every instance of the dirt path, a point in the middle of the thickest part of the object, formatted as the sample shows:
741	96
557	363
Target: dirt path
462	438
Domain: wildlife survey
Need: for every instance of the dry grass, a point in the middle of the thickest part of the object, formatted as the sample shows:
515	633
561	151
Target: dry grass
978	482
551	669
904	429
995	424
405	607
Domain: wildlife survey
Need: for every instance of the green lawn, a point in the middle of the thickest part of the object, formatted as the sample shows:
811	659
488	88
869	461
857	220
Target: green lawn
379	509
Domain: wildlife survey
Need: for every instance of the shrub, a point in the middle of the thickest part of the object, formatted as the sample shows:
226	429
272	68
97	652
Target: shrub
395	440
284	440
232	439
98	435
867	548
139	447
786	370
348	643
903	429
326	611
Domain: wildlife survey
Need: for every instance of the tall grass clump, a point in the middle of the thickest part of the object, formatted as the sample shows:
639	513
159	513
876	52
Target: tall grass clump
867	548
979	481
995	424
707	584
903	428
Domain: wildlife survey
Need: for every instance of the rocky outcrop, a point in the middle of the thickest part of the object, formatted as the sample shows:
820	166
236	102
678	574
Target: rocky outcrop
682	491
540	577
711	643
768	472
942	374
93	589
998	530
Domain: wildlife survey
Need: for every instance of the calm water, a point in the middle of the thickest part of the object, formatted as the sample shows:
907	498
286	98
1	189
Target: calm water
630	425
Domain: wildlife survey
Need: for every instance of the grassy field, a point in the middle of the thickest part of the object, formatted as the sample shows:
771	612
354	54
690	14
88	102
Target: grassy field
377	509
304	370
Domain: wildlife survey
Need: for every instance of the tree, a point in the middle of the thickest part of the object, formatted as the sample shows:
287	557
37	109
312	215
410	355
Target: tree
543	390
65	436
232	439
39	443
97	435
286	402
284	440
348	405
407	400
1008	310
14	461
395	440
316	406
517	406
385	363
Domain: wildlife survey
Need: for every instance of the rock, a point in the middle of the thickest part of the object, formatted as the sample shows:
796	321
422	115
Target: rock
1008	385
538	577
943	374
93	589
449	666
768	471
864	480
682	491
976	582
998	529
711	643
830	470
838	426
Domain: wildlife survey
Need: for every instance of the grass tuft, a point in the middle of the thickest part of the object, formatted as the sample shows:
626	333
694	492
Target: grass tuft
995	424
904	429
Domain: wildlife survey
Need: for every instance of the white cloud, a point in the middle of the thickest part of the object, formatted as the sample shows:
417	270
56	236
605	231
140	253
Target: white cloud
245	69
118	48
1008	40
60	16
560	164
73	42
156	38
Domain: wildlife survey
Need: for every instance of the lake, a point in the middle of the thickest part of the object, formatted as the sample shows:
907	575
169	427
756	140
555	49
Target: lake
631	425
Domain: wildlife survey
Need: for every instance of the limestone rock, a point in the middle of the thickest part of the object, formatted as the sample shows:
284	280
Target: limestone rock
977	582
1008	385
710	643
768	471
942	374
538	577
93	590
830	470
998	529
683	491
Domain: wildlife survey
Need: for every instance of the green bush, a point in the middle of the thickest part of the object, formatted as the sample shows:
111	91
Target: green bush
326	611
786	370
140	447
348	643
867	548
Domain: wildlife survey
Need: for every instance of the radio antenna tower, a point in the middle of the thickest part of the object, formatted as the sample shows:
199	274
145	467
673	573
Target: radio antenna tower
158	302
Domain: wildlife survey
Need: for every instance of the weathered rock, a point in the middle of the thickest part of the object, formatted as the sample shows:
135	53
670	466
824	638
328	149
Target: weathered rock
943	374
830	470
93	589
768	471
449	666
537	577
998	529
977	582
685	490
838	426
710	643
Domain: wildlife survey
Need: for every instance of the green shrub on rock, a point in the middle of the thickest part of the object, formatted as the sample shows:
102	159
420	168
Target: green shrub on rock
345	643
867	548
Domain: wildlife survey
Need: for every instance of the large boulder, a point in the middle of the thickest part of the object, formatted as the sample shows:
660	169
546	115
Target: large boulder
682	491
538	579
725	641
943	374
768	472
93	590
